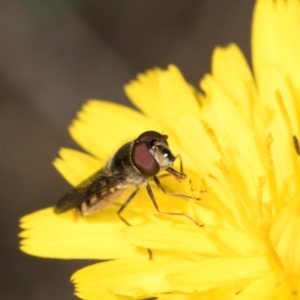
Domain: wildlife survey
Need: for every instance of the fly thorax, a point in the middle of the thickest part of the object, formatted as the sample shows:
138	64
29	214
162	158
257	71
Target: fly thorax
135	178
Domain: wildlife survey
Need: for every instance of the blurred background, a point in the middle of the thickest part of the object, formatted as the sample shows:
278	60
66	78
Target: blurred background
54	55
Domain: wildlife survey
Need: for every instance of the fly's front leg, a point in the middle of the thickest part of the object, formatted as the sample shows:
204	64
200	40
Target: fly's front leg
179	175
163	175
180	162
156	180
151	195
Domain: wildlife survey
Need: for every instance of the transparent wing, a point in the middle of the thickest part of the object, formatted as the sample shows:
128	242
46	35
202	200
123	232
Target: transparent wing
99	185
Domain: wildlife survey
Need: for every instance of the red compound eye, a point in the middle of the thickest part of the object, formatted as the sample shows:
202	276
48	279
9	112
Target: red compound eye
144	160
141	155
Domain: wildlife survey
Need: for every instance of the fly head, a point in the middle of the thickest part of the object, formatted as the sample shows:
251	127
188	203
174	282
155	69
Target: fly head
151	153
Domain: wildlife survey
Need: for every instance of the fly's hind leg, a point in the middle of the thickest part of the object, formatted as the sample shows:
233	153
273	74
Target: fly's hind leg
124	205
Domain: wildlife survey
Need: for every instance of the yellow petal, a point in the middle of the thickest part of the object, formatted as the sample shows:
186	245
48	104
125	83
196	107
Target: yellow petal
282	122
190	132
67	236
275	38
274	81
285	237
266	49
135	278
230	69
211	273
269	288
76	166
139	278
163	95
191	239
238	143
102	133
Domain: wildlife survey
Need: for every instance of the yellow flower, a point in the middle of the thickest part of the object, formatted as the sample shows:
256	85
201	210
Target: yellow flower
239	142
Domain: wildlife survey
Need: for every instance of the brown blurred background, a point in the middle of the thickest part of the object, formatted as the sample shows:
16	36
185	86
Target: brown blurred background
56	54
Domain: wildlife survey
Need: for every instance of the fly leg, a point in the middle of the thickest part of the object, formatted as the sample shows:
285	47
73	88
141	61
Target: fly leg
180	161
124	205
178	174
150	193
158	183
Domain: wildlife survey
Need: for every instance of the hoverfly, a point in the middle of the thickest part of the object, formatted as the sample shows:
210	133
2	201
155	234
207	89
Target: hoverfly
134	164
